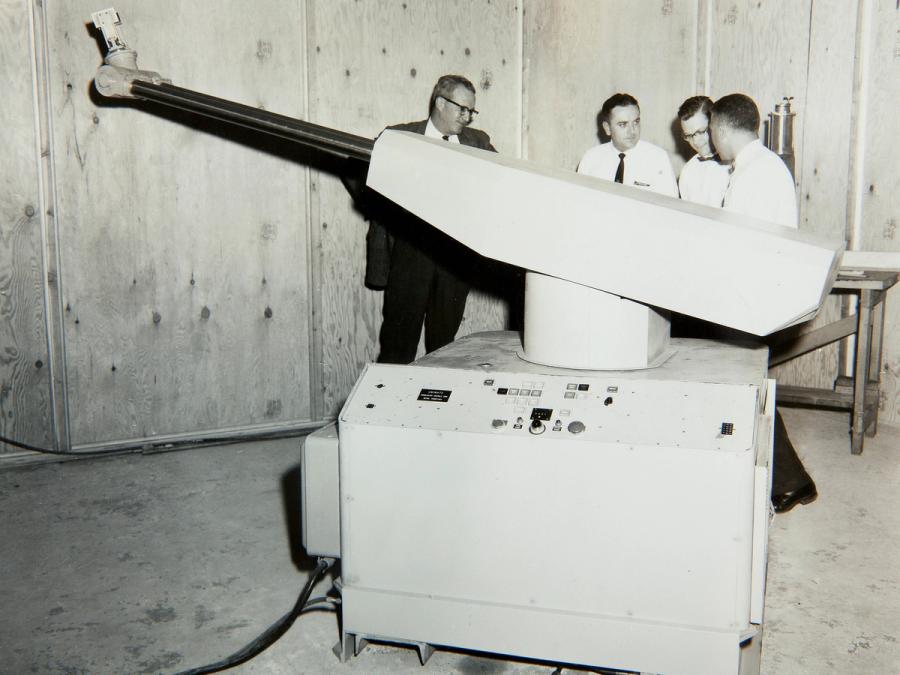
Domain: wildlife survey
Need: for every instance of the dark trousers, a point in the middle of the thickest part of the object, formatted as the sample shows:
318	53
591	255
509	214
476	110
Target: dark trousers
788	473
419	289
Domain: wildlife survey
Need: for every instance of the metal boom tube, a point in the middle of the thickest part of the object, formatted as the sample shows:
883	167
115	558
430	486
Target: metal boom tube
322	138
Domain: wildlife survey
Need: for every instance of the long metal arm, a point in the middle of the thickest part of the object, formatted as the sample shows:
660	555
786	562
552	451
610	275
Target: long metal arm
322	138
120	77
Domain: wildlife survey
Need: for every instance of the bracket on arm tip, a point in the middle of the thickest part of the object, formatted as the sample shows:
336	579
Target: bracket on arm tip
114	78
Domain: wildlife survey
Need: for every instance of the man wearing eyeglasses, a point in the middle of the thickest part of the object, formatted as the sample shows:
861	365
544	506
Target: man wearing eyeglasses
704	179
424	272
626	159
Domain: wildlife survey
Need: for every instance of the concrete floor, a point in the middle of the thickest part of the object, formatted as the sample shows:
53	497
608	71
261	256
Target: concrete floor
158	563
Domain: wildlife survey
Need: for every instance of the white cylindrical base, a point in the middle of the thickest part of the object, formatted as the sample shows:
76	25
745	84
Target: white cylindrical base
568	325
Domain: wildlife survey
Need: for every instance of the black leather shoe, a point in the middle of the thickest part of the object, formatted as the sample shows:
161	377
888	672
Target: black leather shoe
804	494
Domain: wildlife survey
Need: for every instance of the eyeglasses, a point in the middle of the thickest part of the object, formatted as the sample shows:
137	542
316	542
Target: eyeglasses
696	134
471	112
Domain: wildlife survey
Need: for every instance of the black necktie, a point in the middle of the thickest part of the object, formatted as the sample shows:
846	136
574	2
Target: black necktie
620	171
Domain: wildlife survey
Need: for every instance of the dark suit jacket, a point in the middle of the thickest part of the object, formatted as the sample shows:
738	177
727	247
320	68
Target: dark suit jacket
379	240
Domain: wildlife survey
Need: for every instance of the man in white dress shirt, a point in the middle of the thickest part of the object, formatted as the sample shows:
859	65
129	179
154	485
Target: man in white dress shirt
703	179
626	159
761	185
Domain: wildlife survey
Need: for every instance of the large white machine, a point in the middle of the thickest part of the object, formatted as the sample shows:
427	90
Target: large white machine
561	515
598	495
595	495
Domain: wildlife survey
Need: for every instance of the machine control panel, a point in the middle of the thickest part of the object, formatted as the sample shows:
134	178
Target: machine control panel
555	407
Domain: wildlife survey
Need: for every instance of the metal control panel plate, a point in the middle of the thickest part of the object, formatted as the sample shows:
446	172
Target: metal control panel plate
596	408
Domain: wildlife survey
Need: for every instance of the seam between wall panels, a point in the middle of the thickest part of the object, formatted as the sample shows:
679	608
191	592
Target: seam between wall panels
707	45
857	157
520	39
857	160
49	227
798	165
313	266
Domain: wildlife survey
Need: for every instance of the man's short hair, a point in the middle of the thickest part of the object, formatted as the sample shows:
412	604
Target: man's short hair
737	111
445	87
694	105
615	101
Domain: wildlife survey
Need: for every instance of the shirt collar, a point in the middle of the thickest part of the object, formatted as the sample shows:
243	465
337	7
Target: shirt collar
747	153
432	131
627	152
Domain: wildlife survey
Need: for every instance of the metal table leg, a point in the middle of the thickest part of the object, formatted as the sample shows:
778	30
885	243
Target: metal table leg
875	358
861	371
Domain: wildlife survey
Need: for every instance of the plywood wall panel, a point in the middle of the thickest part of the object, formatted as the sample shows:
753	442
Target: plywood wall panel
760	49
25	406
372	64
186	245
880	190
801	49
183	241
579	53
823	170
823	174
350	313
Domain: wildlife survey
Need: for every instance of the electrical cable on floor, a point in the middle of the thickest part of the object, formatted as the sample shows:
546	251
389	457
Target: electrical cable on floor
273	632
48	451
163	446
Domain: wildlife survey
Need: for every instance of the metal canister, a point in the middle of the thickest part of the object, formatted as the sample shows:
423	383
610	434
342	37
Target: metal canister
780	136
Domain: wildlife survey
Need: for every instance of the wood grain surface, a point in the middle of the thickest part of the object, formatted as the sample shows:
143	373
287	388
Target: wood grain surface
880	191
371	65
25	404
579	53
822	171
183	240
212	278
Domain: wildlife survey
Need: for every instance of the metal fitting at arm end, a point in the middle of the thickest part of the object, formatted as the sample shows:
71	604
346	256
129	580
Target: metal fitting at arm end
115	77
115	81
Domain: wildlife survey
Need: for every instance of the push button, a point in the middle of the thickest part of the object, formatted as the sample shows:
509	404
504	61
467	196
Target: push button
576	427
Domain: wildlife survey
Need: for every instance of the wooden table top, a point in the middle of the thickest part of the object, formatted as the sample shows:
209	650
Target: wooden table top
878	280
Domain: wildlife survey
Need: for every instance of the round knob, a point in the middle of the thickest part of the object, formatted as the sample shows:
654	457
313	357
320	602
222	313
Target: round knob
537	427
576	427
498	423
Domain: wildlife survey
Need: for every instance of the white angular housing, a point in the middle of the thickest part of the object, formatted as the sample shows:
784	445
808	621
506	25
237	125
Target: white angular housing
725	268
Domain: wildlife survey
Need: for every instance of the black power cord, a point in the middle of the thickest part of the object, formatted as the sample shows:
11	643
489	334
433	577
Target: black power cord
48	451
150	447
273	632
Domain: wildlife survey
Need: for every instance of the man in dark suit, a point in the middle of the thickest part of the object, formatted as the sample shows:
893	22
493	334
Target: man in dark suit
424	268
